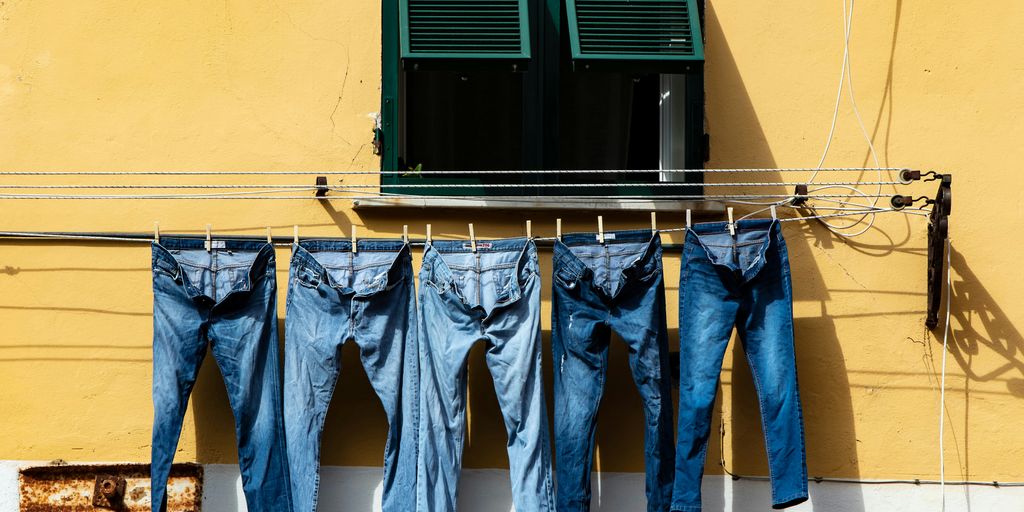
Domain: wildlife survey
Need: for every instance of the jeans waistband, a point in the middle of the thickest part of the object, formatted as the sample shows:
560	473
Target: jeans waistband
564	260
610	237
374	245
439	268
398	266
162	258
185	244
772	239
501	245
705	228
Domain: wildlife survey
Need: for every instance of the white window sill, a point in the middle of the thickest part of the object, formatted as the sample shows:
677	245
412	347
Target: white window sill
541	203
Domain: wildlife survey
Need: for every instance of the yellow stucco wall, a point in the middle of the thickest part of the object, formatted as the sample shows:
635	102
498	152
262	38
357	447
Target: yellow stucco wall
105	85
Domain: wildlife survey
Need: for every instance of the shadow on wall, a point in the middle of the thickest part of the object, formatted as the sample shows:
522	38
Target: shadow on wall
979	324
831	441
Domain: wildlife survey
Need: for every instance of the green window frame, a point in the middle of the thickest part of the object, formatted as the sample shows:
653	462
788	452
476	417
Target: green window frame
542	24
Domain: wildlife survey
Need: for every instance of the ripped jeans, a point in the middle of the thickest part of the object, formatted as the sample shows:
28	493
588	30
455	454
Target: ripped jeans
600	287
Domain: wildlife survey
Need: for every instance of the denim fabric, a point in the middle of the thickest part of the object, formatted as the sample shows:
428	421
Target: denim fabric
225	298
598	288
368	297
492	295
741	281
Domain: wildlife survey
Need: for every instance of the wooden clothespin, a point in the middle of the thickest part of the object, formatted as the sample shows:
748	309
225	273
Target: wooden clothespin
600	229
209	238
295	234
654	223
472	237
405	233
156	231
732	223
689	219
529	229
775	215
558	229
270	236
428	234
354	240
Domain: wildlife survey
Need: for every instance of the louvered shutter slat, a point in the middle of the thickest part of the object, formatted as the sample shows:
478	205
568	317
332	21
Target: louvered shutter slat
654	35
464	29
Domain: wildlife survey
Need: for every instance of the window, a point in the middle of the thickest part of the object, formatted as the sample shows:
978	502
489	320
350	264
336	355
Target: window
472	85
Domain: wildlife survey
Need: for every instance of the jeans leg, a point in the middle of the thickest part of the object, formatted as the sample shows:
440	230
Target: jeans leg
579	344
707	313
514	359
387	340
446	335
644	330
766	328
314	327
179	345
244	341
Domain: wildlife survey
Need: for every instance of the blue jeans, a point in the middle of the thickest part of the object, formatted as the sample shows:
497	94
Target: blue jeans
598	288
741	281
225	298
369	298
492	295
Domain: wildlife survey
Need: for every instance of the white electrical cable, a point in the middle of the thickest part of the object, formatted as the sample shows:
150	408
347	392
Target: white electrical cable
942	389
846	76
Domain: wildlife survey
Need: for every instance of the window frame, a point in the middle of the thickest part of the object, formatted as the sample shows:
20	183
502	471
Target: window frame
546	37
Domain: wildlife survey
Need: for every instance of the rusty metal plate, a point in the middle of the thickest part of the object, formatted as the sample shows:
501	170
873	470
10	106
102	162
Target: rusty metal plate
99	487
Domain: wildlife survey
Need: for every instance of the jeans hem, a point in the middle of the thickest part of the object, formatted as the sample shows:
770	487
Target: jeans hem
790	501
686	508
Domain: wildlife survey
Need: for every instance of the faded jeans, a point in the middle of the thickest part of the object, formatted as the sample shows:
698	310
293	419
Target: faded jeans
335	295
225	298
493	296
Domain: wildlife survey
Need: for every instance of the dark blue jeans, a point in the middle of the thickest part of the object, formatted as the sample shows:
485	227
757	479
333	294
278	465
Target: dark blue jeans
741	281
598	288
225	298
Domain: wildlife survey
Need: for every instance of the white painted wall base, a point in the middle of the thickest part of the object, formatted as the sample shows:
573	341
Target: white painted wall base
348	489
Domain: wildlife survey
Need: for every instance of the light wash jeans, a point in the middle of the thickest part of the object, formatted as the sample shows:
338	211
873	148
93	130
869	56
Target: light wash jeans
492	295
598	288
740	281
368	297
225	298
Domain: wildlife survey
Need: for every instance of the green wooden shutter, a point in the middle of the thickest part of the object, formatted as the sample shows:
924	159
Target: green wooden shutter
459	30
648	35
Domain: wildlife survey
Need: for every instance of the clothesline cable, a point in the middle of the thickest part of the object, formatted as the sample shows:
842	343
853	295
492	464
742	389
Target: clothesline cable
942	381
284	240
439	172
507	199
452	185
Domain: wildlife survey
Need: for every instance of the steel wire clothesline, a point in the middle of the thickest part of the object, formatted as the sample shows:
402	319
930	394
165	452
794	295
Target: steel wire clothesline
452	185
147	238
429	172
508	199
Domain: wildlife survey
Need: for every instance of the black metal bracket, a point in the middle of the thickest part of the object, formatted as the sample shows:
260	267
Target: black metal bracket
799	195
321	186
938	232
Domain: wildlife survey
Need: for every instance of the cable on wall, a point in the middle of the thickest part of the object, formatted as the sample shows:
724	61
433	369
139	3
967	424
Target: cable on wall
942	383
846	77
